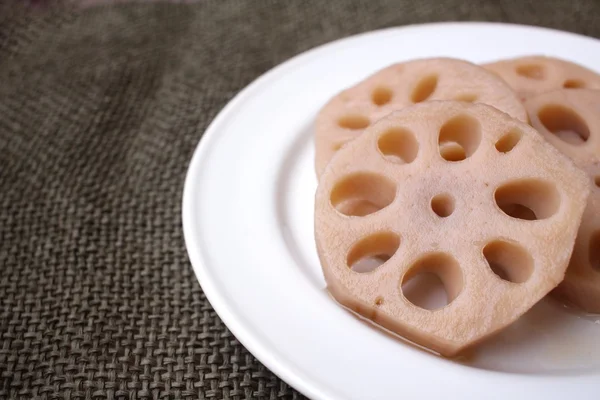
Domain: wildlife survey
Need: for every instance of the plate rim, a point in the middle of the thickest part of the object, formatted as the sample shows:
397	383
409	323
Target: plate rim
249	339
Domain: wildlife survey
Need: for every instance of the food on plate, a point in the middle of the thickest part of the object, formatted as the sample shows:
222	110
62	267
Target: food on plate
570	120
347	114
533	75
458	191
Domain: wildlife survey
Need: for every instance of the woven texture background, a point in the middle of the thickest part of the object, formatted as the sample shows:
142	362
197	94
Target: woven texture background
100	111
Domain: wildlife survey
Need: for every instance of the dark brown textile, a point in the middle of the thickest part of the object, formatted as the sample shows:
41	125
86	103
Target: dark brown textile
100	111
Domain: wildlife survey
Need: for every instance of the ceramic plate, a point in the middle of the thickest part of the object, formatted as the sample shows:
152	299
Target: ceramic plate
248	224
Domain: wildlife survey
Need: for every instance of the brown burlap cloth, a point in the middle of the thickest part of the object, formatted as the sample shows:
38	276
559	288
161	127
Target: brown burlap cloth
100	111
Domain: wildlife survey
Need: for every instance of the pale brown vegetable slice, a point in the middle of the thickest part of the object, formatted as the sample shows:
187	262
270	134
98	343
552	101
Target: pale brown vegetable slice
570	120
347	114
495	225
533	75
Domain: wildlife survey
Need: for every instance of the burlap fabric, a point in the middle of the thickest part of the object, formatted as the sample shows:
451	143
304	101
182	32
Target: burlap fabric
100	110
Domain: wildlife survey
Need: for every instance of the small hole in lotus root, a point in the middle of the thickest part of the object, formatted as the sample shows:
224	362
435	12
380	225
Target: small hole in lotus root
532	71
467	97
372	251
398	145
433	281
508	141
362	193
565	123
354	122
381	96
424	89
508	260
443	205
574	84
459	138
528	199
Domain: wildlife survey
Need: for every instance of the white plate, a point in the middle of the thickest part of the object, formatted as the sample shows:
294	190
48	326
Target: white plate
248	224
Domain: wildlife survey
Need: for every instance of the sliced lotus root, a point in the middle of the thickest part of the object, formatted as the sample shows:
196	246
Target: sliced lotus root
570	120
346	115
496	228
533	75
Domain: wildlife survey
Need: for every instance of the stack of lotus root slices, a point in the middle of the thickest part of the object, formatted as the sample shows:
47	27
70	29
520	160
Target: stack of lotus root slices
484	177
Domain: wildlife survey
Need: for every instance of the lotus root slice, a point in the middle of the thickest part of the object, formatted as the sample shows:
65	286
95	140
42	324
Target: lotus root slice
570	120
496	226
347	114
533	75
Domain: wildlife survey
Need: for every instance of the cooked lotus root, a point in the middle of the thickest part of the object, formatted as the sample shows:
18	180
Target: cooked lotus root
346	115
497	227
570	120
533	75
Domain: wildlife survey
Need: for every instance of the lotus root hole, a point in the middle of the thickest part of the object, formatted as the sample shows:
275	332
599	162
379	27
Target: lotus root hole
338	146
398	145
433	281
424	89
362	193
509	261
354	122
459	138
594	253
508	141
372	251
574	84
381	96
528	199
532	71
597	181
466	97
442	205
565	123
452	151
